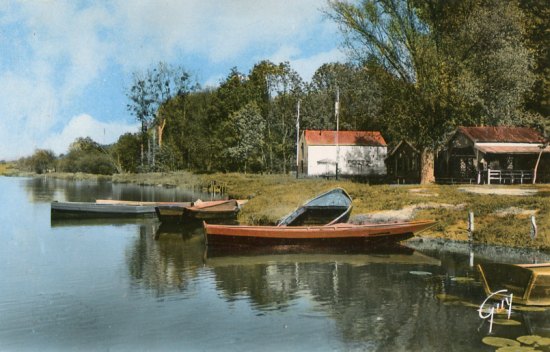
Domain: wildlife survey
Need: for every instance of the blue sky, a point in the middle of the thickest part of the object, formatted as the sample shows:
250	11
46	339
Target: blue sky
65	65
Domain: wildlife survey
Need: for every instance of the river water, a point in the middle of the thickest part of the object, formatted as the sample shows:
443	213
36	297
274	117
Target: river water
122	285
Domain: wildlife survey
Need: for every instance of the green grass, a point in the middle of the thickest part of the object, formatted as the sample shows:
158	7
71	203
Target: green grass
8	169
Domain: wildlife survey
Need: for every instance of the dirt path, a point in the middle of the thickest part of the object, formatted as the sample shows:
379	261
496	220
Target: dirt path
508	191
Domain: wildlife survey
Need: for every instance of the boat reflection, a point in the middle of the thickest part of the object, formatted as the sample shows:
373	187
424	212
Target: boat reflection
68	222
163	262
223	256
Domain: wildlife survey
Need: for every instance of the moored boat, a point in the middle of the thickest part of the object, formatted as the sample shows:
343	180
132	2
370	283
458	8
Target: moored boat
169	214
329	208
142	203
529	283
98	210
201	210
221	209
373	235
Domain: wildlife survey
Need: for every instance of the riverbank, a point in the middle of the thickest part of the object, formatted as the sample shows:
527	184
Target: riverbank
502	213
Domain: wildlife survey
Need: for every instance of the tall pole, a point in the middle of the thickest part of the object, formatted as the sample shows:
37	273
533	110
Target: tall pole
337	113
297	137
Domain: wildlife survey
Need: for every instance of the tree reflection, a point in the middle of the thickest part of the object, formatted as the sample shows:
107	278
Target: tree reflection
371	297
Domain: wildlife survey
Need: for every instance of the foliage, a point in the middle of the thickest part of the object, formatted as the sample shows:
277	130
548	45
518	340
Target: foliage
41	161
126	152
417	70
86	155
247	129
439	71
537	24
149	91
359	94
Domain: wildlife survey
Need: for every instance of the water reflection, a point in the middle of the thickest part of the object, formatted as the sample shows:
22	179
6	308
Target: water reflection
165	266
135	284
42	189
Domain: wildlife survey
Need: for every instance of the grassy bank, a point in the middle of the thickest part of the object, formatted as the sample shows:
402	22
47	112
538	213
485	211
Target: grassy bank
9	169
502	214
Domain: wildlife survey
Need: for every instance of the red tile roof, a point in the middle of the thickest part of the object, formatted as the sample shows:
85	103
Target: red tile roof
502	134
323	137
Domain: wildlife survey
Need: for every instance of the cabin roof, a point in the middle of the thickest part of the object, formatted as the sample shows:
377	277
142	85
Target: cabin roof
501	134
511	148
403	142
360	138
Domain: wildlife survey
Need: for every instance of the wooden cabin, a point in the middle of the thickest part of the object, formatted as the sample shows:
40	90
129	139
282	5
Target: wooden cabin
403	164
354	153
493	155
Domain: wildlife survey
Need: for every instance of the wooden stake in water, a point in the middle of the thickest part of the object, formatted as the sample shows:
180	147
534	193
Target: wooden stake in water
471	236
471	226
534	229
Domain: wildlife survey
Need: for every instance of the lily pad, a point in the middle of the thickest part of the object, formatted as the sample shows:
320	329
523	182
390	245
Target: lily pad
420	273
462	279
499	341
529	309
446	297
501	311
469	304
510	322
516	349
534	340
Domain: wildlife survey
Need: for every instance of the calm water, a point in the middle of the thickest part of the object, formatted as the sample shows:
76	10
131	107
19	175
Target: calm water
110	285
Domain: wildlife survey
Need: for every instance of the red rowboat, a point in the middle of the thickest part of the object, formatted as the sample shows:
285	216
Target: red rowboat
334	235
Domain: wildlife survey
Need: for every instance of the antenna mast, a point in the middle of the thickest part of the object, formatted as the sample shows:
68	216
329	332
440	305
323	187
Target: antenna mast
297	136
337	113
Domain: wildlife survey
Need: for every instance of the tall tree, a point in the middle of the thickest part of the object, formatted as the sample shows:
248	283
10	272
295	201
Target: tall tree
149	91
359	93
435	79
537	24
286	88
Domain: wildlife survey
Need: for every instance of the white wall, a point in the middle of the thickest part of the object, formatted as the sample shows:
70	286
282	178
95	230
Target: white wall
354	160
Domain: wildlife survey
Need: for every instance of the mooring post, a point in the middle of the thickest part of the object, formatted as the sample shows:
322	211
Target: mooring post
533	233
471	236
534	229
470	226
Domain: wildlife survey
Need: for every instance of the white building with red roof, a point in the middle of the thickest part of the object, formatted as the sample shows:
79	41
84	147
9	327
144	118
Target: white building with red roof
356	153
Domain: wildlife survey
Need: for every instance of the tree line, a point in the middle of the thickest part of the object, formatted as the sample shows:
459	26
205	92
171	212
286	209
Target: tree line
417	69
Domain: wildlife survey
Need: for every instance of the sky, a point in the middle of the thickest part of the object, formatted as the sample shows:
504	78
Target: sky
66	65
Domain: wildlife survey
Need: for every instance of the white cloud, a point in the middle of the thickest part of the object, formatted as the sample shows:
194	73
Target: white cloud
66	44
26	114
218	30
86	126
53	52
306	66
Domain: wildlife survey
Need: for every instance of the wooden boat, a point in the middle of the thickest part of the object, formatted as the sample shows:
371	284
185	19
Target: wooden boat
221	209
202	210
132	202
348	235
97	210
109	208
329	208
529	283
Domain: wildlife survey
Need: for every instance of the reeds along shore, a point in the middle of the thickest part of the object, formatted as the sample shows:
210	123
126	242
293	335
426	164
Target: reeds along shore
500	218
